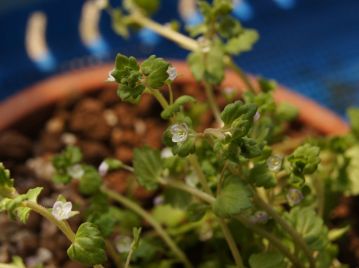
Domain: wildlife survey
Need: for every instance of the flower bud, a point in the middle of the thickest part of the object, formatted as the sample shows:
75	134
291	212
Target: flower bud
123	243
76	171
259	217
274	163
294	196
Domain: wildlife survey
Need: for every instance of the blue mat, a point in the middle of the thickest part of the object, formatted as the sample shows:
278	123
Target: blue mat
311	46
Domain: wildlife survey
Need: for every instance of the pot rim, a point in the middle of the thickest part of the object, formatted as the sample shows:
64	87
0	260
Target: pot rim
87	79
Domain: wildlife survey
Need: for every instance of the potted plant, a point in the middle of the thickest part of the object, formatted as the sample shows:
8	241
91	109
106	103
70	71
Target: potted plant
243	190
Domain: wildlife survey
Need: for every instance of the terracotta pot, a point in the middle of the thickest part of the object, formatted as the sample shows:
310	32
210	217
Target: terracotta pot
45	93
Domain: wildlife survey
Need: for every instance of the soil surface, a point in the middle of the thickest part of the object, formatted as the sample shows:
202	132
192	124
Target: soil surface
101	126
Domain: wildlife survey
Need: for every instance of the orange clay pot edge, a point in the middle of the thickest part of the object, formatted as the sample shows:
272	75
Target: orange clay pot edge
91	78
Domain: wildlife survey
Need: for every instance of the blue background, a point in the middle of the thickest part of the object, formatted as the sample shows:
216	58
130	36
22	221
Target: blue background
311	46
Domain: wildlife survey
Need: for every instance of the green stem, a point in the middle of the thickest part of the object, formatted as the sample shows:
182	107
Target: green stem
260	231
62	225
170	92
272	239
212	103
65	229
226	231
241	74
182	40
114	255
128	260
319	186
159	97
148	217
298	240
184	187
5	265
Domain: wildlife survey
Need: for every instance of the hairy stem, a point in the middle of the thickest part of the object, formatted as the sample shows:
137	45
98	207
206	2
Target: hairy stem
148	217
159	97
260	231
272	239
288	228
226	231
62	225
212	103
182	40
114	255
229	62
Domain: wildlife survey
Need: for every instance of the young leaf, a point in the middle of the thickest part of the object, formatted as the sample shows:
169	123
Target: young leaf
14	205
67	158
91	181
305	159
6	182
155	70
353	115
243	43
261	176
267	260
310	226
88	246
175	107
233	198
148	166
234	110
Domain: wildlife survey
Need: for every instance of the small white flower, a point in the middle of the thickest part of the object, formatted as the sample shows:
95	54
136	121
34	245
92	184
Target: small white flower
257	116
179	132
274	163
103	168
62	210
204	44
294	196
76	171
166	153
191	180
259	217
110	77
123	243
172	73
158	200
205	232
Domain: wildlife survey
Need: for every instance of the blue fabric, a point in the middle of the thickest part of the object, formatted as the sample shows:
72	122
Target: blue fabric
311	46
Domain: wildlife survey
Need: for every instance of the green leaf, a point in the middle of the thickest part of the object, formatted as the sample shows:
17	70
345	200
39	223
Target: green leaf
196	211
243	43
6	182
67	158
177	198
127	74
148	167
352	170
310	226
118	23
155	70
14	205
88	246
169	111
195	61
267	85
91	181
208	66
148	6
335	234
233	198
237	109
5	179
353	115
287	112
250	148
168	215
260	176
305	159
267	260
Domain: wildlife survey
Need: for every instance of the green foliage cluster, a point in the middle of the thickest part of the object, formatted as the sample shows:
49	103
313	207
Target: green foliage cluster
240	193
